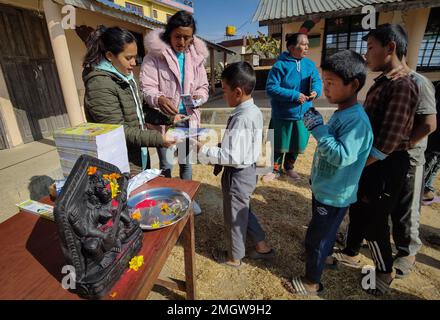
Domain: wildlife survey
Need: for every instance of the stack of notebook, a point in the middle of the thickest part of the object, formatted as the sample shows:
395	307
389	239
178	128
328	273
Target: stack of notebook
103	141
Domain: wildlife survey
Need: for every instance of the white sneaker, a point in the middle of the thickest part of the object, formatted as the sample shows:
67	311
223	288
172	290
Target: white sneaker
196	208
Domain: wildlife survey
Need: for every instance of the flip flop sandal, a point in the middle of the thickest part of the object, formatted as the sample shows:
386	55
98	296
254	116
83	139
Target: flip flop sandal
297	284
271	176
433	239
331	266
221	257
403	267
382	288
254	254
345	260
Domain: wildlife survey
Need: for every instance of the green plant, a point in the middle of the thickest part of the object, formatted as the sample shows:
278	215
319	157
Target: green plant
218	71
219	67
265	46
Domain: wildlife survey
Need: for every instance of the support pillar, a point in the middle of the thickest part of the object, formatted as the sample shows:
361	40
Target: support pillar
415	24
64	64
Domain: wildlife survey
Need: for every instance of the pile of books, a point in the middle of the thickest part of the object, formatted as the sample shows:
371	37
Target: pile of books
103	141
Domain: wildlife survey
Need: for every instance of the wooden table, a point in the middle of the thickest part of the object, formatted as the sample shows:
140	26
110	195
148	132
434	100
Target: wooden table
31	259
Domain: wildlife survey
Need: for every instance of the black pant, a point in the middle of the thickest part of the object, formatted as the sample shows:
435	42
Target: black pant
406	215
320	237
382	192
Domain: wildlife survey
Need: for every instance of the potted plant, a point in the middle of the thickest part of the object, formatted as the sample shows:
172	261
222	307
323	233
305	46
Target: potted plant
266	47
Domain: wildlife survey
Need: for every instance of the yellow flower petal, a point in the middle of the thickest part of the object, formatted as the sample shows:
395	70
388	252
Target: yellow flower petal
155	224
115	189
136	262
165	209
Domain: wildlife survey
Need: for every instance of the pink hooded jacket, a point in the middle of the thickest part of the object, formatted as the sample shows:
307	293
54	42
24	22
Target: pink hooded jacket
160	74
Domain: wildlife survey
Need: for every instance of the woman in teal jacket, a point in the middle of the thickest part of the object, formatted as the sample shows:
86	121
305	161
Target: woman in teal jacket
293	83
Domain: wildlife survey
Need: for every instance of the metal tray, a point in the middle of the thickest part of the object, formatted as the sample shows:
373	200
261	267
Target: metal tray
159	207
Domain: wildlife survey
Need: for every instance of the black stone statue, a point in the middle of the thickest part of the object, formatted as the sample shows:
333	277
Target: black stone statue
97	234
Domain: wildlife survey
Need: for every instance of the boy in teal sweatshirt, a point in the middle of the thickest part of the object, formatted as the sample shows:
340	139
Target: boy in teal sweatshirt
343	146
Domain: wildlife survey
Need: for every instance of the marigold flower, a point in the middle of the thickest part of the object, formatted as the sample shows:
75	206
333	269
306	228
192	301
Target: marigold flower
136	215
91	171
165	209
136	262
114	176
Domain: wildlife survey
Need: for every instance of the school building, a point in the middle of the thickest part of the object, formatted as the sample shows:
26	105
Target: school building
334	25
41	87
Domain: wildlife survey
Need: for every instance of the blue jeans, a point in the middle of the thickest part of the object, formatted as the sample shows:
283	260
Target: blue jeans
166	158
320	237
432	167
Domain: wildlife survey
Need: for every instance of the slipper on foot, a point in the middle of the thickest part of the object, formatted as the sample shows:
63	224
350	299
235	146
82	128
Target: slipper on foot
403	267
296	286
221	257
347	260
382	288
254	254
332	266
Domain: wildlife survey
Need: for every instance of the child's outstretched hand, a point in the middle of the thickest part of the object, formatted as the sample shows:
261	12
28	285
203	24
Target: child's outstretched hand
197	143
178	118
168	140
312	119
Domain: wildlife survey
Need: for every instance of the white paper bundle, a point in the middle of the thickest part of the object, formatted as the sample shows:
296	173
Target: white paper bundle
103	141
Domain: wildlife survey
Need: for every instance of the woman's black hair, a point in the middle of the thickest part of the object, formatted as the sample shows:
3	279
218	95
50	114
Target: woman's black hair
179	19
103	40
293	38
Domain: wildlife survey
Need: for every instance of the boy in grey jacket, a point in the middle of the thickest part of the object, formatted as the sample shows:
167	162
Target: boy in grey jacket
238	154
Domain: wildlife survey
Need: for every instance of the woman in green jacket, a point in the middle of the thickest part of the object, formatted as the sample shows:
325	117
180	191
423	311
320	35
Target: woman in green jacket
111	93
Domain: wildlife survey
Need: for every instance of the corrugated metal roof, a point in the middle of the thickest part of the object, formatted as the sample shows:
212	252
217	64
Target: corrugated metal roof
282	9
216	46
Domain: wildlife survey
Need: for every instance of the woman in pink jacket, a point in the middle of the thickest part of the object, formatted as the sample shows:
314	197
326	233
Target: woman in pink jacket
174	66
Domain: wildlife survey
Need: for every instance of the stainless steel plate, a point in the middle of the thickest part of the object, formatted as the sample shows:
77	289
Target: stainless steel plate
158	208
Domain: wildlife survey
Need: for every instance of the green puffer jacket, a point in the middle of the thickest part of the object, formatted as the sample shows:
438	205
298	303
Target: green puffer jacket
109	99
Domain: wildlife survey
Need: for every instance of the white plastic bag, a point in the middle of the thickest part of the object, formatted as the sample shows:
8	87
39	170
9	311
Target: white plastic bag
142	178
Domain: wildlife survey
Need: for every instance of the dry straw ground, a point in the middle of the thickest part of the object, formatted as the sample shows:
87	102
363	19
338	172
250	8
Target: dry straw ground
283	208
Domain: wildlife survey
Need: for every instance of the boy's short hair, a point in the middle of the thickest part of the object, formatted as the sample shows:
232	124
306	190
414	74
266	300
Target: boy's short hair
348	65
240	74
293	38
385	33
